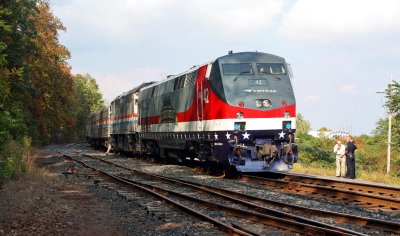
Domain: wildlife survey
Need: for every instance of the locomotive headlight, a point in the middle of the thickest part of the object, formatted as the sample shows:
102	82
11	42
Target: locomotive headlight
266	103
239	115
286	114
258	103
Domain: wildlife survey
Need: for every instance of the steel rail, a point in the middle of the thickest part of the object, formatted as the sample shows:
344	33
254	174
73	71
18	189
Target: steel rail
360	198
388	226
230	195
171	203
370	188
284	224
268	219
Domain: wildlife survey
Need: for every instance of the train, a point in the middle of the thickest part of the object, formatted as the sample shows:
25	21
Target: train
237	111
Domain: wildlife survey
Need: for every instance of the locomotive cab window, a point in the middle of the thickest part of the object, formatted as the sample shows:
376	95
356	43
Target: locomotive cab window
271	68
237	69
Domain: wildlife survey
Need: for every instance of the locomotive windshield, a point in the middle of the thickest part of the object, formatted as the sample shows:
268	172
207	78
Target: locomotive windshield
237	69
245	78
271	69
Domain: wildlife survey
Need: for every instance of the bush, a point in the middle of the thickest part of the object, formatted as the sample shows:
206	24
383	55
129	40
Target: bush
14	158
371	155
316	152
396	169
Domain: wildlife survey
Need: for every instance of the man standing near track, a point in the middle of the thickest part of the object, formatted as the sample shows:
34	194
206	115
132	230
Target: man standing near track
350	158
339	150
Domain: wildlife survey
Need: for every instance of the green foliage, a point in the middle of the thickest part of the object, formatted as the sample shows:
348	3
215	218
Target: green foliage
88	94
380	132
313	151
4	29
12	126
13	158
303	126
88	100
316	152
371	155
39	97
397	164
392	94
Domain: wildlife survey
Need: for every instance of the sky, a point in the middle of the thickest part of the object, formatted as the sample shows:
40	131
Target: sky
341	51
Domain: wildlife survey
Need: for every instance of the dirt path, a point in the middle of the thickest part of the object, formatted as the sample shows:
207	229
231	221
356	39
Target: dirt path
46	202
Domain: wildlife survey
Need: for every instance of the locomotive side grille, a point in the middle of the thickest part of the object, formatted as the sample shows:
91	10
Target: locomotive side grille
191	78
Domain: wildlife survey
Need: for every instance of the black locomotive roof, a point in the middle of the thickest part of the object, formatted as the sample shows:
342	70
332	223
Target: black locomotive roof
249	56
138	88
240	56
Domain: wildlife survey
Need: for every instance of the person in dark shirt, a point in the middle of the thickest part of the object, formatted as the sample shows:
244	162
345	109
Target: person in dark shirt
351	147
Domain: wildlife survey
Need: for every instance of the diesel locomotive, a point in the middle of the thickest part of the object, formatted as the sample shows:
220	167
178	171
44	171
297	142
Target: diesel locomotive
238	111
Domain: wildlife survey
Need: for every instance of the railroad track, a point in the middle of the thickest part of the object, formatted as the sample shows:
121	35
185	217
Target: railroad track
252	205
371	196
362	187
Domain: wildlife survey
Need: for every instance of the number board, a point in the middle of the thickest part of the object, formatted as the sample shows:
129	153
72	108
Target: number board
258	82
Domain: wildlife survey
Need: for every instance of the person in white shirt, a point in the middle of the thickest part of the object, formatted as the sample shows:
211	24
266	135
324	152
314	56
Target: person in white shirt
339	150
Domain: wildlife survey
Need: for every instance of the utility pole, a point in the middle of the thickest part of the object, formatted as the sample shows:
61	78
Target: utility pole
389	142
389	112
389	130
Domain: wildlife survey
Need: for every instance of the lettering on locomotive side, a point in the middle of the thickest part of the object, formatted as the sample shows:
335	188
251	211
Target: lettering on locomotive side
260	90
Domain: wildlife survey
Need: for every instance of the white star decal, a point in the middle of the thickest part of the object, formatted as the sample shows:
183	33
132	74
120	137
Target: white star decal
281	134
246	135
228	136
216	136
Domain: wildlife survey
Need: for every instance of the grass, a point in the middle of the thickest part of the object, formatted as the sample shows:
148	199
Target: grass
16	158
378	177
372	176
302	169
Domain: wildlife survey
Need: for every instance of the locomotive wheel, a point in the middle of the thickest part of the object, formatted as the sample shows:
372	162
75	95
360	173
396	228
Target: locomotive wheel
230	172
213	168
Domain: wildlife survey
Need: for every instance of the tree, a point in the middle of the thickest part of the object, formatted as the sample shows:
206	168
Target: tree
36	82
88	100
16	29
380	133
392	94
303	126
51	76
15	45
39	98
